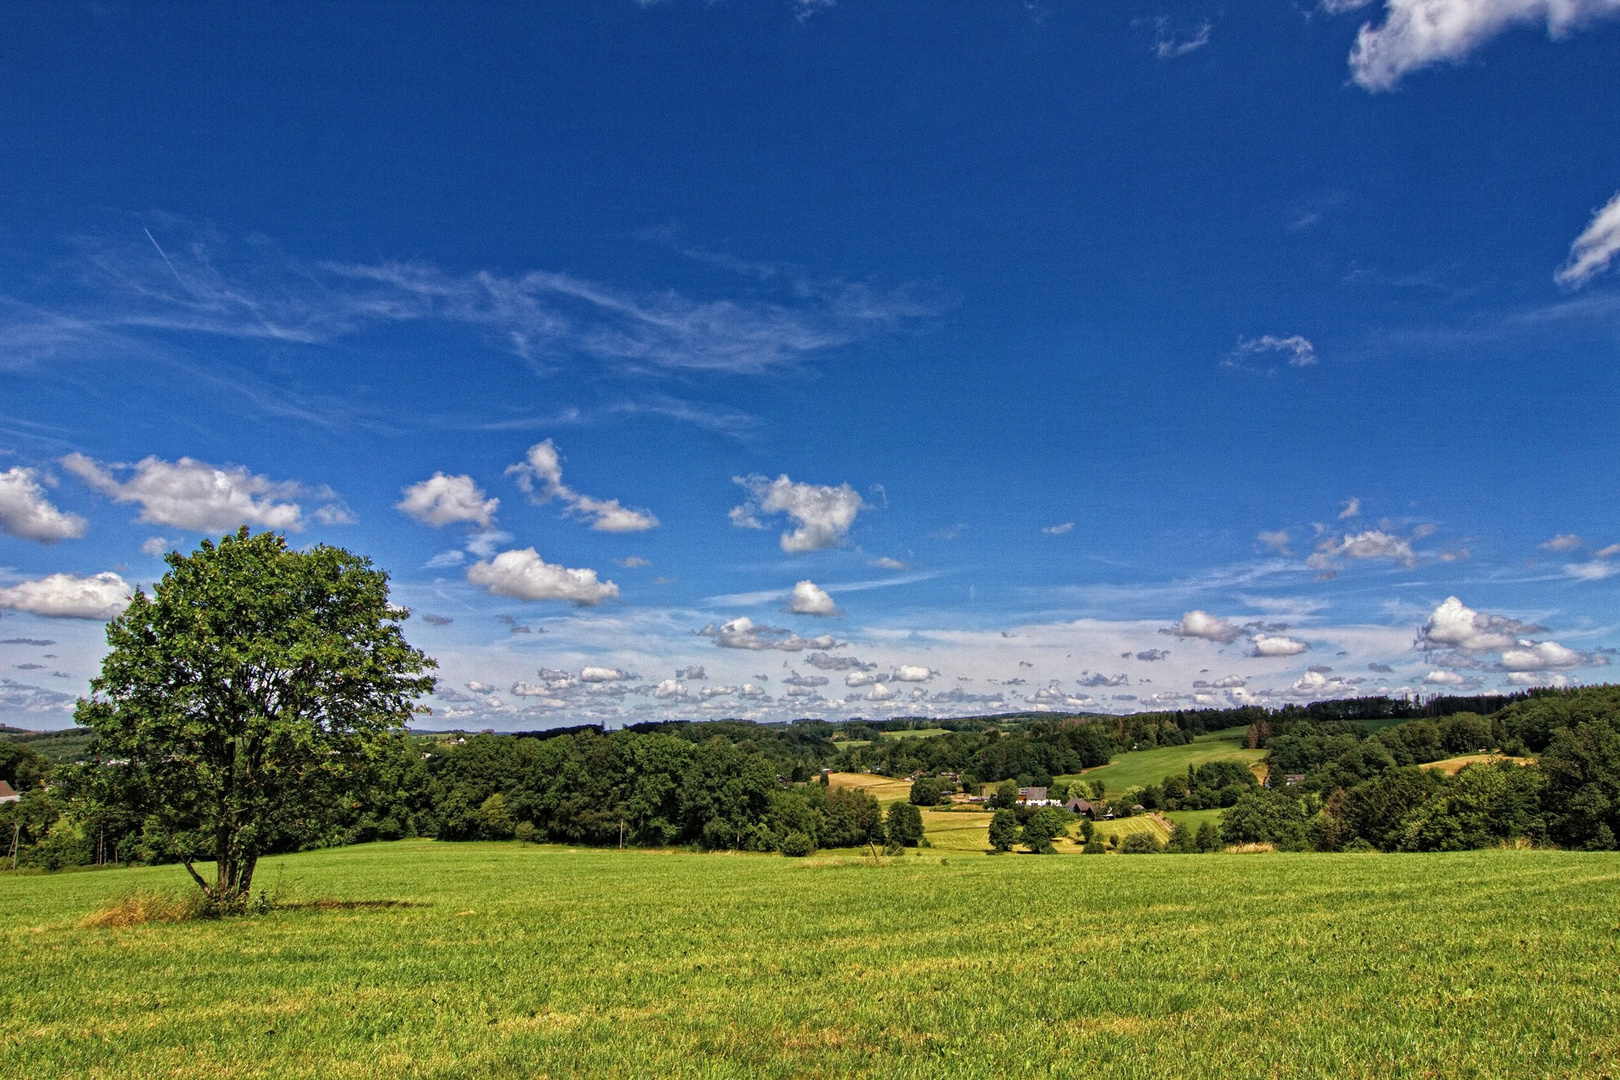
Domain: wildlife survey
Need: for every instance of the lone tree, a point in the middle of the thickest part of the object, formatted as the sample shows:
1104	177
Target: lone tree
246	691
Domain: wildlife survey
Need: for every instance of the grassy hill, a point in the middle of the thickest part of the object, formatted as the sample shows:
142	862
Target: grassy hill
545	961
67	745
1143	767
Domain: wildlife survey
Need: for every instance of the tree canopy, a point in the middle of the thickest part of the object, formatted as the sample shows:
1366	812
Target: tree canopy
253	683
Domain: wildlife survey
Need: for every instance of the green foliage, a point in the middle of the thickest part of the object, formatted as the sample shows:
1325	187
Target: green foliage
245	694
797	844
1045	825
1140	843
1582	767
1265	817
1094	846
904	825
1482	805
927	792
1005	797
1004	830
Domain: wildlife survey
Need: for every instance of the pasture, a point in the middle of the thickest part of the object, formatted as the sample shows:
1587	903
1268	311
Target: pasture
551	962
1139	768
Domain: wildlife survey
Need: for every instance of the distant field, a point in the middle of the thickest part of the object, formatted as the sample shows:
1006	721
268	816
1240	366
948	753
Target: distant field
1134	768
1453	765
548	962
67	745
885	789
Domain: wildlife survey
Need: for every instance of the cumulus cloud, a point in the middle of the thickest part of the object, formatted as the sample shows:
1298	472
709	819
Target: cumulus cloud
1561	542
1372	544
69	596
1153	655
692	673
862	678
444	500
795	679
1444	678
1094	679
669	690
913	674
1596	247
743	633
1277	645
540	474
1541	656
880	693
593	674
526	576
1230	682
716	691
822	515
1298	350
1455	625
1275	541
194	495
1591	570
1201	624
1057	530
1317	684
811	599
26	513
828	662
1418	33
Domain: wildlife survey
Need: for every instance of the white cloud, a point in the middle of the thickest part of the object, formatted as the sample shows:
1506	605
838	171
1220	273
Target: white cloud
194	495
913	673
1455	625
1277	645
1444	678
26	513
444	500
1418	33
1372	544
524	575
1230	682
1561	542
69	596
862	678
156	546
795	679
1592	570
1541	656
1537	678
880	693
1352	508
1169	46
1594	249
1201	624
822	514
742	633
669	690
1316	684
1298	350
592	674
885	563
1057	530
716	691
631	562
540	474
1275	541
810	599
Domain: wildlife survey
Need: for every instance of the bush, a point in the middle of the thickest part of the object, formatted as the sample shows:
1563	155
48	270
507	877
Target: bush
1141	843
796	845
1094	846
926	792
524	832
1004	830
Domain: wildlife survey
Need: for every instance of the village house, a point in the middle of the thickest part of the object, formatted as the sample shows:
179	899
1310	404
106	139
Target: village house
8	793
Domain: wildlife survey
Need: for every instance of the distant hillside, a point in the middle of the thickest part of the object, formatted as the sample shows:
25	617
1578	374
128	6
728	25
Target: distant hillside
61	747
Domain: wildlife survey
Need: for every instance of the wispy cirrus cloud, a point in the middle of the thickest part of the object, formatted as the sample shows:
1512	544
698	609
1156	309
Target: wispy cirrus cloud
180	278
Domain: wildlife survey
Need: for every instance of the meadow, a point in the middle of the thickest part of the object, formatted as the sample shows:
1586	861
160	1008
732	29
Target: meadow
1139	768
520	960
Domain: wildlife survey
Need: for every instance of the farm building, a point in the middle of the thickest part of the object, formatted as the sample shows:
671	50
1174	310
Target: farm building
8	793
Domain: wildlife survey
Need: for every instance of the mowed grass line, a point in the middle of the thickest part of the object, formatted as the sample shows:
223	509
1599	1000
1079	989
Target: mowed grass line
541	961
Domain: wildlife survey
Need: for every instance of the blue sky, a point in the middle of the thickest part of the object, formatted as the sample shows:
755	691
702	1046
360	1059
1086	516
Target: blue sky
771	358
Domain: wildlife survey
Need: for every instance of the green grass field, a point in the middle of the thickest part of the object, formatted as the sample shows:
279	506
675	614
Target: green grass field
1139	768
541	961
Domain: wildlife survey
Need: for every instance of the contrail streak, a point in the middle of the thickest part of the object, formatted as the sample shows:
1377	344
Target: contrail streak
166	262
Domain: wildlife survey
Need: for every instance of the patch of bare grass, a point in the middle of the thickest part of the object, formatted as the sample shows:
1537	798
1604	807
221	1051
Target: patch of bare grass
150	906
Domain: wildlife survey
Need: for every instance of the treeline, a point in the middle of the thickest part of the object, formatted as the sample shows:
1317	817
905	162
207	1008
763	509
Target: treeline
1549	774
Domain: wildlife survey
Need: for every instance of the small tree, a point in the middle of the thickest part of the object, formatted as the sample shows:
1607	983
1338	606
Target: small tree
1043	827
1003	830
926	792
905	826
1005	796
246	691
